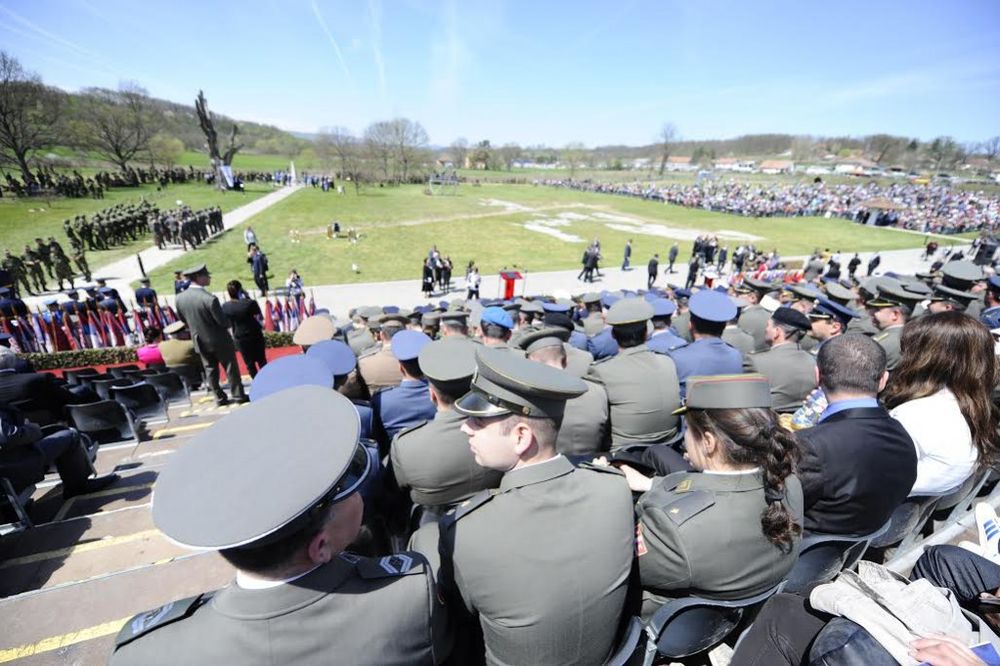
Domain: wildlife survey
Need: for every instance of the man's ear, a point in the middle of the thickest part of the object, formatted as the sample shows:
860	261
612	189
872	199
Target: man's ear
883	381
525	438
320	550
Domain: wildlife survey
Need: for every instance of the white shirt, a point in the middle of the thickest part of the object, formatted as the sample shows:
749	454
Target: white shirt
946	455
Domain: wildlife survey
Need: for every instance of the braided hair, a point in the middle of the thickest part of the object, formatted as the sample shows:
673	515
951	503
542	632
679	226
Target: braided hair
752	436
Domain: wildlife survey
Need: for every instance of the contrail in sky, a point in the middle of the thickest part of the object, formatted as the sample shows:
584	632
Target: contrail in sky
333	42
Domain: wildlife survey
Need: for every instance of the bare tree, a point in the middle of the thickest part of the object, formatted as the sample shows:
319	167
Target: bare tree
409	139
991	148
508	153
379	145
459	152
883	148
574	155
338	145
116	124
206	120
667	137
482	154
30	115
944	151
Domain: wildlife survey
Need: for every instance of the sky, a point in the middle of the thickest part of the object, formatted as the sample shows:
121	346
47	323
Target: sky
539	72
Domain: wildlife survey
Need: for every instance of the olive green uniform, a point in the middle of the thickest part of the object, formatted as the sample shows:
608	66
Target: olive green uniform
889	341
790	371
738	338
754	320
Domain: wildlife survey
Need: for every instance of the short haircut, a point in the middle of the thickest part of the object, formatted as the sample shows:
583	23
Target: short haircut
706	327
273	558
412	367
494	331
390	329
661	322
556	353
851	363
792	333
629	335
454	326
546	430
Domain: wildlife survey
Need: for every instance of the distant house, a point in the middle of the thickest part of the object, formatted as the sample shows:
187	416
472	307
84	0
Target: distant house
641	163
679	163
733	164
777	166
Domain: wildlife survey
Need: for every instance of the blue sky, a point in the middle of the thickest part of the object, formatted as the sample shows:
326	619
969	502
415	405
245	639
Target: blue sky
540	72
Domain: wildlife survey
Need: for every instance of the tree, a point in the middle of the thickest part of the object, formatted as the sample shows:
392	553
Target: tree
338	145
459	152
165	150
379	145
668	135
944	151
508	153
574	155
206	120
884	148
30	115
482	154
409	139
116	124
991	148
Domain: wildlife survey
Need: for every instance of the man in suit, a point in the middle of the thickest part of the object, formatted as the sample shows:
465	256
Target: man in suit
790	371
145	296
858	463
562	601
202	313
652	268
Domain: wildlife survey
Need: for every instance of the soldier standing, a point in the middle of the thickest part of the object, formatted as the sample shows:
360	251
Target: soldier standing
80	259
18	273
44	254
63	270
34	265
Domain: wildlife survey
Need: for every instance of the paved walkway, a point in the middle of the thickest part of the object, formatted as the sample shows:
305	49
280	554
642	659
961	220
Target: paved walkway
122	273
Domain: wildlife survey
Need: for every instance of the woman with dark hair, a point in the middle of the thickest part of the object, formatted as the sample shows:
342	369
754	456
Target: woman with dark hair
730	529
149	353
941	393
244	318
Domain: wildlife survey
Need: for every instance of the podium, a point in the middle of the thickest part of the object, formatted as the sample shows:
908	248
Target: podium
508	280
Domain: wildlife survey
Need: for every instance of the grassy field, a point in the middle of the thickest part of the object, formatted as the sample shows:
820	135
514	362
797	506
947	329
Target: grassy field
487	224
22	220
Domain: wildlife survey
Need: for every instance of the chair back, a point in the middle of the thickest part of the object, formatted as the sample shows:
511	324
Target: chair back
823	556
908	518
97	418
191	375
693	625
141	400
102	387
170	387
122	370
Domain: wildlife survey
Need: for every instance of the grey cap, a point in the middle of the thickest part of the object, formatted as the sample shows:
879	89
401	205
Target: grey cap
449	364
189	273
430	319
200	500
506	383
591	297
535	307
961	274
552	336
397	317
313	329
895	296
838	293
727	392
454	317
174	327
629	311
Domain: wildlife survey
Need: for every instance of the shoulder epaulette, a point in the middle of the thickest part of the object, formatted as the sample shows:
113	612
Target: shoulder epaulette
389	566
410	429
685	505
598	361
369	351
468	506
606	469
143	623
880	337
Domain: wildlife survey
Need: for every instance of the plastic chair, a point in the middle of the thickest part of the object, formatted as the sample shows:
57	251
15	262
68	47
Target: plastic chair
823	556
13	507
907	519
629	644
122	370
693	626
170	387
102	387
141	400
153	370
105	416
192	376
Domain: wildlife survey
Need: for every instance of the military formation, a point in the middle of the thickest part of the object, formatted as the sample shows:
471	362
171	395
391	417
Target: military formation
75	185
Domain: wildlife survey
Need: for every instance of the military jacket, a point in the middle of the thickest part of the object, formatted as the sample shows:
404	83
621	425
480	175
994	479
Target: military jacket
643	390
544	562
683	520
380	369
665	341
433	460
585	427
737	337
402	406
790	371
889	341
681	323
351	610
754	321
706	356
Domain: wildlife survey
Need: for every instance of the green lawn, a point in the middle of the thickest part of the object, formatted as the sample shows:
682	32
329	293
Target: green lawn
399	225
22	220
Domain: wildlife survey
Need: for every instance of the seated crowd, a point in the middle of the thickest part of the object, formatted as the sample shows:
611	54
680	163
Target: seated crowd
511	481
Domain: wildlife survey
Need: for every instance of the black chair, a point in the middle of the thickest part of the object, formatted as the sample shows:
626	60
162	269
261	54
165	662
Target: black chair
692	626
142	401
102	387
192	376
99	419
952	506
153	370
37	413
122	370
71	377
87	380
14	507
823	556
170	387
625	651
907	519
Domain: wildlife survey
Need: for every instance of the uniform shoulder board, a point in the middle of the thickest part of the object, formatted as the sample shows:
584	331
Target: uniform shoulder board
389	566
686	505
880	337
143	623
411	428
361	403
606	469
381	389
369	351
468	506
598	361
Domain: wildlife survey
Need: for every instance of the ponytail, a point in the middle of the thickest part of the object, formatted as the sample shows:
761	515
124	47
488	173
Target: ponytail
776	521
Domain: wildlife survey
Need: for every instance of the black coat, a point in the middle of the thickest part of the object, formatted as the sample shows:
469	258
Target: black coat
242	316
857	466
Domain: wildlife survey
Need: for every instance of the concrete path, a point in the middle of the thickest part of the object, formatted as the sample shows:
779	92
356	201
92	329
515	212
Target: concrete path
120	274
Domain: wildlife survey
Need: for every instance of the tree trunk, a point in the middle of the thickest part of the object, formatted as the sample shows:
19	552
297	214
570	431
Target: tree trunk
22	163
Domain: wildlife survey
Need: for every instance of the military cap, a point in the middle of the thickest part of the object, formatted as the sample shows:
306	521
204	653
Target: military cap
513	306
337	356
534	307
629	311
497	316
827	309
103	281
406	345
174	327
558	319
312	330
506	383
961	275
993	284
960	298
144	280
891	296
682	293
739	302
727	392
552	336
712	306
454	317
288	372
871	285
105	290
791	317
198	500
430	318
390	309
663	307
919	288
400	319
837	292
556	307
590	298
449	364
759	285
189	273
456	304
369	311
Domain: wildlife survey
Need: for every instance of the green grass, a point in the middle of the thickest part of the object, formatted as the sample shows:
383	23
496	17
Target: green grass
22	220
401	224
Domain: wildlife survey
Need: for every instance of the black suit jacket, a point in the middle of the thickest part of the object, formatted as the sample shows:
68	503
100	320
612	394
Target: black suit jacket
857	466
242	315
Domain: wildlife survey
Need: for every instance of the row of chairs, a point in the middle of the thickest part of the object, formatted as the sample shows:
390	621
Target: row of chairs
689	628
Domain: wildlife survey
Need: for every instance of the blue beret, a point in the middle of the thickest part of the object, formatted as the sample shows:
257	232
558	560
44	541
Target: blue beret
406	345
556	307
288	372
498	316
337	356
662	307
712	306
994	283
105	290
607	300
